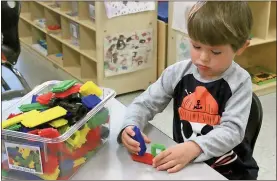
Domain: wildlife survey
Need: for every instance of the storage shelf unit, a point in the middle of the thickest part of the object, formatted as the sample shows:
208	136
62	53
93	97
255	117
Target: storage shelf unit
162	36
85	60
262	50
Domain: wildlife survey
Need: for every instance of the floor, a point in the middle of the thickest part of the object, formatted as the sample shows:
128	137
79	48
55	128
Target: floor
37	70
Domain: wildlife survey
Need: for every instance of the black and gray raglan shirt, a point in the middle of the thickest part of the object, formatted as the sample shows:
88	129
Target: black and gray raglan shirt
214	114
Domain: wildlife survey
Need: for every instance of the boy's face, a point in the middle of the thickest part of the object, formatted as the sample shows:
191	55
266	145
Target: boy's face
211	61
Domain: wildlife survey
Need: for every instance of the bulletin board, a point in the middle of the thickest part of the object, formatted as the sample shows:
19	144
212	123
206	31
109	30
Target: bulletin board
128	52
128	59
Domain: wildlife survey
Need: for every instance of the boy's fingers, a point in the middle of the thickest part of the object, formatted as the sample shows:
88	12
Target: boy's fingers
160	156
146	139
130	141
131	149
175	169
162	161
129	130
131	144
167	165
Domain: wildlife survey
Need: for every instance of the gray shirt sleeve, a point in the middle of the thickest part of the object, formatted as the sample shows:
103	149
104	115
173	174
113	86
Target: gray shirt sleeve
230	132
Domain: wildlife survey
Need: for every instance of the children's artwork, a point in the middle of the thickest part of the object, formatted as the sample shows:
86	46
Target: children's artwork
25	158
182	47
180	14
127	52
119	8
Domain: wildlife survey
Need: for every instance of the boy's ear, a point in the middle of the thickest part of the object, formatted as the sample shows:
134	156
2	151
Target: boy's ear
241	50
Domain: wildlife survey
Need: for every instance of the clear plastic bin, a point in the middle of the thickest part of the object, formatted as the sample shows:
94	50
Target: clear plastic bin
54	158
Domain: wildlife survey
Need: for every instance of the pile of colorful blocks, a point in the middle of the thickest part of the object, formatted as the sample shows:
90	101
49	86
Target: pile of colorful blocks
51	115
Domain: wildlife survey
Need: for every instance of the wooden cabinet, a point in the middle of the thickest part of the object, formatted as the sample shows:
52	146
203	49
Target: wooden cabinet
84	58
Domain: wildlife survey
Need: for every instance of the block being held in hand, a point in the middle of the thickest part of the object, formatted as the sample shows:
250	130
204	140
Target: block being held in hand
139	138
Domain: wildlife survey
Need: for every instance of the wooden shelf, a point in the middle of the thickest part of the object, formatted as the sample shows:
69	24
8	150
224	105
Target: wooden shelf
26	40
26	32
262	55
85	61
264	89
88	68
272	21
88	42
37	11
262	50
258	41
39	49
87	23
38	27
73	71
69	44
267	28
26	16
260	11
25	8
76	71
37	34
271	35
56	60
88	53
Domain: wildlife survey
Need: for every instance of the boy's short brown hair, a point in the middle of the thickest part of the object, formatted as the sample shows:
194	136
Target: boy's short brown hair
220	23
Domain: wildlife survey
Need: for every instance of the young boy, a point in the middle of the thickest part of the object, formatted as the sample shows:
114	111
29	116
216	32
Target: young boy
212	96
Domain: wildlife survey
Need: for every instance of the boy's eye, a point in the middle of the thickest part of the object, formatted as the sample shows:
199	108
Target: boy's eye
216	52
196	47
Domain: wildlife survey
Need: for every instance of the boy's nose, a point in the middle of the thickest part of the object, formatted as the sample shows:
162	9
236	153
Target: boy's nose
204	57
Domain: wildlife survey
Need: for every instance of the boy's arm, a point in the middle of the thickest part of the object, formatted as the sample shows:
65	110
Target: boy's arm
155	99
230	132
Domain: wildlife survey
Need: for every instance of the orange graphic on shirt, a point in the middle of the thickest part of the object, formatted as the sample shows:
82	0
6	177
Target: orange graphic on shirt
200	107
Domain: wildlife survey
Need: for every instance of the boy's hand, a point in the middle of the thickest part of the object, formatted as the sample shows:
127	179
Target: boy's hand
131	144
176	157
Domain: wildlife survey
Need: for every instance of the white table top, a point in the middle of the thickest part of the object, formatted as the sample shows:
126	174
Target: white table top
112	161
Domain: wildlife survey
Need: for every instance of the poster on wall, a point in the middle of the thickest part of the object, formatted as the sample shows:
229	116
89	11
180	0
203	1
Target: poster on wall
119	8
127	52
180	15
182	47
